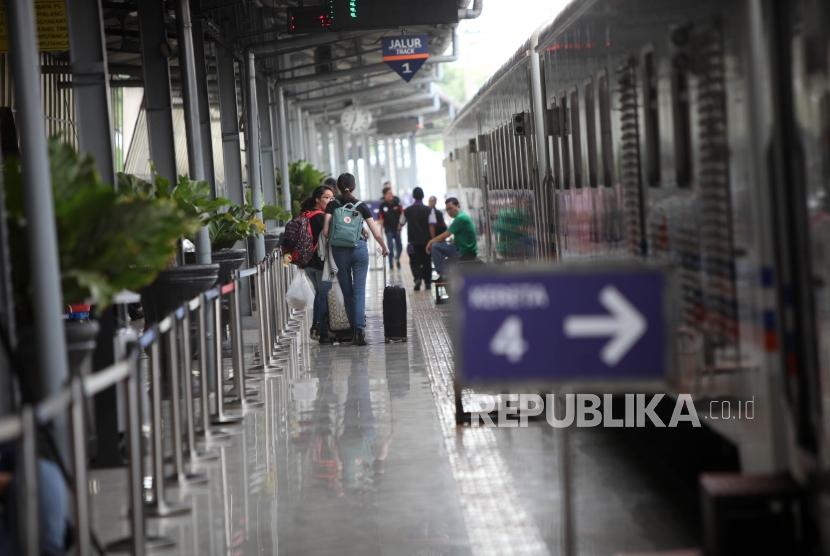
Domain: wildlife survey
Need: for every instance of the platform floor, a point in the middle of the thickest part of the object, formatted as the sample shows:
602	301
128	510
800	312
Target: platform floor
360	455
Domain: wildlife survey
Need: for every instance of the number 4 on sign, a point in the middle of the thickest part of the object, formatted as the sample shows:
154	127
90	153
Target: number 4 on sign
508	340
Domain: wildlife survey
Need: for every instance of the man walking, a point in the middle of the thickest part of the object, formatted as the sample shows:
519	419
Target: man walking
436	217
390	214
464	235
416	217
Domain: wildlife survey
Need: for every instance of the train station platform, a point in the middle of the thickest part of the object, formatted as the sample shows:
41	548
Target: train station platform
358	452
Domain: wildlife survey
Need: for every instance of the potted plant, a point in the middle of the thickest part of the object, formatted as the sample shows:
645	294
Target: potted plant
280	215
108	241
233	224
176	284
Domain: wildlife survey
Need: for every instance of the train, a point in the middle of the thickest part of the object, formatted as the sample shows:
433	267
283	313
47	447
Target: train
693	134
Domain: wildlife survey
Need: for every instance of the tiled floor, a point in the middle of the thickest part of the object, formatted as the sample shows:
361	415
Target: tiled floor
359	454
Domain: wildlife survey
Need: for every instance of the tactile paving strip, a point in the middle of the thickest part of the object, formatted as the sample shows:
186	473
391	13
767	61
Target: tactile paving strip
496	519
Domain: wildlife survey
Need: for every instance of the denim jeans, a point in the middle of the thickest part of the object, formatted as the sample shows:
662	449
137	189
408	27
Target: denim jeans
53	513
393	242
321	302
352	267
440	253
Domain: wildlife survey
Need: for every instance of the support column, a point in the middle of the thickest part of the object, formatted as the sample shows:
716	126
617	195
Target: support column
341	154
286	186
300	139
269	183
90	84
51	372
311	141
193	132
254	150
204	104
93	117
157	102
413	160
325	132
392	163
366	178
229	120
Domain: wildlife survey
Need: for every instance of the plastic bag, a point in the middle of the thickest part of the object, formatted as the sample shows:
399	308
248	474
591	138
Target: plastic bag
300	294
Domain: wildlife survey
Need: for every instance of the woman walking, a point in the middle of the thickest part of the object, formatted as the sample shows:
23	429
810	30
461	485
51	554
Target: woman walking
352	261
314	208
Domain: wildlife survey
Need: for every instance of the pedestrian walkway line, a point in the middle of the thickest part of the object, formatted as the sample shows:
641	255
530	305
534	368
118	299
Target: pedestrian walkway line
496	519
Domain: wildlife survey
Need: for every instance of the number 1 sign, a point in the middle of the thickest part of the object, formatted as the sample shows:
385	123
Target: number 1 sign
406	54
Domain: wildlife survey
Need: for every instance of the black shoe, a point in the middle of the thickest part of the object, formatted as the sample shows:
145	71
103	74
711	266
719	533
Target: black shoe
399	264
427	286
324	340
418	286
359	337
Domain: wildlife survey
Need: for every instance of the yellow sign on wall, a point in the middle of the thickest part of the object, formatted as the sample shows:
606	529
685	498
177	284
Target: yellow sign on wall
52	29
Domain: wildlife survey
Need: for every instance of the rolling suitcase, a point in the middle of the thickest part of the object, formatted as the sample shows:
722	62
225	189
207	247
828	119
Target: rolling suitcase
394	311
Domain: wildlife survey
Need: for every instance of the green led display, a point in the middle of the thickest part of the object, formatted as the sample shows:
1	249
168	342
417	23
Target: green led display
353	9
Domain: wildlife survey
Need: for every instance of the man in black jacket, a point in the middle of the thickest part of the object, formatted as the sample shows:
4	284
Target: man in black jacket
436	218
416	218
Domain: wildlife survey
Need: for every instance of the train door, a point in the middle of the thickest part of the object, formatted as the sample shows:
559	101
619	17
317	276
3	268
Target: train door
807	64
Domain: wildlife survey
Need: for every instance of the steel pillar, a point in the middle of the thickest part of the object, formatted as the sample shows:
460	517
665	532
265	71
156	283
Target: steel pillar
204	104
90	84
286	186
311	141
252	144
325	136
413	160
267	159
51	372
157	102
341	155
229	120
300	139
193	132
93	118
366	175
392	162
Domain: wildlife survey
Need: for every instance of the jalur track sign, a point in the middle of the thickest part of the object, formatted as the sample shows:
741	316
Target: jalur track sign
406	54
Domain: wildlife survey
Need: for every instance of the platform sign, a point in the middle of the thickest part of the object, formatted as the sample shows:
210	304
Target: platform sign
561	325
406	54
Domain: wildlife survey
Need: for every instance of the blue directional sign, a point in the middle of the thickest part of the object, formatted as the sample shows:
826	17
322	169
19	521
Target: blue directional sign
406	54
564	325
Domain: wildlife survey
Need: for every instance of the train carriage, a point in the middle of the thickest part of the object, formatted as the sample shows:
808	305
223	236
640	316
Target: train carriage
660	131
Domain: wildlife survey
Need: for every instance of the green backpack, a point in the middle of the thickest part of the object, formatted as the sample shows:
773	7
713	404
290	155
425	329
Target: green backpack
347	225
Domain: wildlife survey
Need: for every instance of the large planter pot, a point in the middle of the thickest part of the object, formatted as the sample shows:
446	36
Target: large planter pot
228	260
272	241
81	339
175	286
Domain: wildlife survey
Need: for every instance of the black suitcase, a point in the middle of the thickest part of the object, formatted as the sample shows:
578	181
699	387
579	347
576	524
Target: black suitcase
394	311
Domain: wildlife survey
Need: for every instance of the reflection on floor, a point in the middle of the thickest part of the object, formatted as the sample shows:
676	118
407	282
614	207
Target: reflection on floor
359	454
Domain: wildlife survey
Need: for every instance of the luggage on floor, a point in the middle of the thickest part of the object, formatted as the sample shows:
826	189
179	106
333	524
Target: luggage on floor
338	317
394	311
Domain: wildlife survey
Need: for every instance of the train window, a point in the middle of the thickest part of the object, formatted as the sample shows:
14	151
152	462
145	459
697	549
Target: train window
651	116
576	140
566	152
682	121
591	133
605	131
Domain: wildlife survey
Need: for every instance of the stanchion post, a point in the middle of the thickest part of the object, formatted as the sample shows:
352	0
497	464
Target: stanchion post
27	502
83	541
220	417
192	452
236	344
159	505
135	492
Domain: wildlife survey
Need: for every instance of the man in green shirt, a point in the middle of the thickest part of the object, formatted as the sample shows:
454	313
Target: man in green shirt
464	234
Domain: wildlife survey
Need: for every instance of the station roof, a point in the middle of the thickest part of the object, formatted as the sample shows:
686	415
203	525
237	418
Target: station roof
352	73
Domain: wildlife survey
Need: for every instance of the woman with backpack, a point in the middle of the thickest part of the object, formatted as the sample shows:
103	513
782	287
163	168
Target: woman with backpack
314	209
345	216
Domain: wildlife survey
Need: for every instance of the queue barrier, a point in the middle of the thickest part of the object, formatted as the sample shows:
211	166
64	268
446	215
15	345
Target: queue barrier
282	348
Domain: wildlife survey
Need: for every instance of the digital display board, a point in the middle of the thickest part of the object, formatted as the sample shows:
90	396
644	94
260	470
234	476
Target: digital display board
357	15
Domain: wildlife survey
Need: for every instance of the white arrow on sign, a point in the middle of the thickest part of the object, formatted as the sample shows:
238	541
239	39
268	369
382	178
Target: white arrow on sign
625	325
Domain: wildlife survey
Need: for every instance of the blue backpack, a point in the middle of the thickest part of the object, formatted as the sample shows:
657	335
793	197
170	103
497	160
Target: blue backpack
347	225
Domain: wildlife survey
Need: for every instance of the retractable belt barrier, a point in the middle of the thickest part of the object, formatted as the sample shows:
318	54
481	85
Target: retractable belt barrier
282	347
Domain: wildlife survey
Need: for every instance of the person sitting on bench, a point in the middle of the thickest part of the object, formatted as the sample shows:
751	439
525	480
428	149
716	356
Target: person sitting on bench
464	235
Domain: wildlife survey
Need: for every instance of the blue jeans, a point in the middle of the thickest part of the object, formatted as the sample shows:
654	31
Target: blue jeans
441	252
393	242
321	302
53	513
352	267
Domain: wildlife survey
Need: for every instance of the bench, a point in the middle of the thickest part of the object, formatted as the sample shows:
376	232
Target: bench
441	288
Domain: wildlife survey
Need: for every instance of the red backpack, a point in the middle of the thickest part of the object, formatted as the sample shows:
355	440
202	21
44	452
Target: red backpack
298	240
